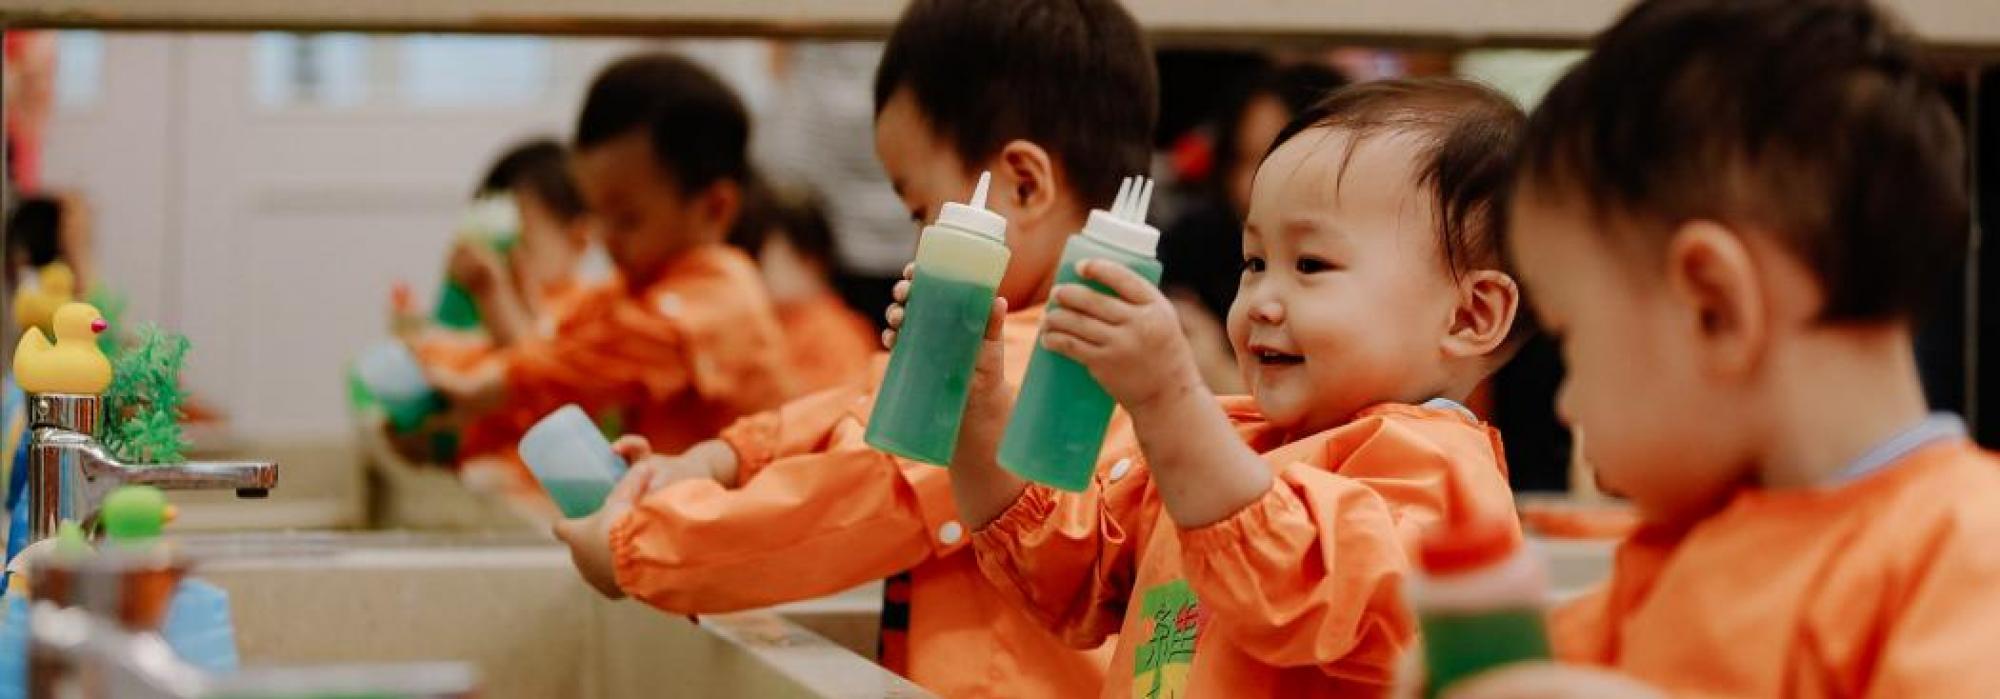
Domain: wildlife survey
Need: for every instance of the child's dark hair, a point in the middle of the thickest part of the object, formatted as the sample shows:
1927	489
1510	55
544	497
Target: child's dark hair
1073	76
1813	120
796	212
540	166
698	128
1469	133
34	231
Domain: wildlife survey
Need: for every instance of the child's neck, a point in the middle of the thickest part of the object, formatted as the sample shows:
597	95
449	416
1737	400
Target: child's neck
1837	392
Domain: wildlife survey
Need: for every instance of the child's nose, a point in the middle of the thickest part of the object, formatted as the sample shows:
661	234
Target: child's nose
1267	311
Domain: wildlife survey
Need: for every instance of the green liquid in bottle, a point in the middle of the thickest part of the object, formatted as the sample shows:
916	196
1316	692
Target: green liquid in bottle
922	399
578	497
1059	420
1458	646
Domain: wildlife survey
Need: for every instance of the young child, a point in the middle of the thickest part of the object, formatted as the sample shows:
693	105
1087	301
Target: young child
684	340
827	344
1257	547
791	504
526	288
519	294
1731	213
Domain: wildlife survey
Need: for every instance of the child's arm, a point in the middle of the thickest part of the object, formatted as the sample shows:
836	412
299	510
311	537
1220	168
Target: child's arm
806	527
1065	558
1133	346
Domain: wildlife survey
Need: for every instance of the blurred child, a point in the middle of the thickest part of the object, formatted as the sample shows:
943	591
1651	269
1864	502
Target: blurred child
827	344
791	504
520	292
1731	213
684	340
1257	548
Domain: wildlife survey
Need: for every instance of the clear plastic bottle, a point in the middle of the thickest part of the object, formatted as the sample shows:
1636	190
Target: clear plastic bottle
1480	602
960	260
1060	417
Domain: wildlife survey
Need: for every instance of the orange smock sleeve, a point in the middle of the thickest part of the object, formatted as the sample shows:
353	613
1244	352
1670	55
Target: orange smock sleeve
1312	572
801	427
1070	559
805	526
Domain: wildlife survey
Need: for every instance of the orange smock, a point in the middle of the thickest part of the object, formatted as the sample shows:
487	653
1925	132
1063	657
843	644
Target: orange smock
827	344
676	361
1884	586
816	512
1299	594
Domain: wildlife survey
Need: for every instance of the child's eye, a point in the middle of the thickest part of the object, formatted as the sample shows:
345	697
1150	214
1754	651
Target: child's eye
1314	265
1253	264
917	216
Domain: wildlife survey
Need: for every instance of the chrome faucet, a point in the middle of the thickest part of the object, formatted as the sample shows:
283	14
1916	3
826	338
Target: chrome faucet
70	471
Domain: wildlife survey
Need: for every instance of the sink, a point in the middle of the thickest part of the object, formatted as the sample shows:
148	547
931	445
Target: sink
513	606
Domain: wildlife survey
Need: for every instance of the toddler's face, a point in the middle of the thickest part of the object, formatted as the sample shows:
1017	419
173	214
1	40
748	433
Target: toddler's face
642	214
1344	300
1631	386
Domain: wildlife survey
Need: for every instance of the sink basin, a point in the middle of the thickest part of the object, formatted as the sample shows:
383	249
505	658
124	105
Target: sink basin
513	607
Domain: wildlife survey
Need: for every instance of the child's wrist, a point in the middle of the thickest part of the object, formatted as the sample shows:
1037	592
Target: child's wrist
1181	387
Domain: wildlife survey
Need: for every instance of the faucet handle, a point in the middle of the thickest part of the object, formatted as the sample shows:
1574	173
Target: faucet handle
76	412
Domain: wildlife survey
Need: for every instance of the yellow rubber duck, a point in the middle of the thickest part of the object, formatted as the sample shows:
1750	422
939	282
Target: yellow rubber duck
72	364
55	285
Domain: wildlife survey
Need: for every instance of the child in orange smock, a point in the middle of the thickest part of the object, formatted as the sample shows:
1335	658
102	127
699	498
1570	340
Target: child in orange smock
1733	213
1256	547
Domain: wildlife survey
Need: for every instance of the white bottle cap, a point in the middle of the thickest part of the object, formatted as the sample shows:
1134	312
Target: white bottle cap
1124	226
972	216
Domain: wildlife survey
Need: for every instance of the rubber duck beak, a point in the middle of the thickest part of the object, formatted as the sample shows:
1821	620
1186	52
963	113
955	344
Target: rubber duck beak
98	326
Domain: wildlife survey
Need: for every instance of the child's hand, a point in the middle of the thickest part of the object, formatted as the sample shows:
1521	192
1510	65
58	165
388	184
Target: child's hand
1544	680
472	392
474	265
1131	342
589	538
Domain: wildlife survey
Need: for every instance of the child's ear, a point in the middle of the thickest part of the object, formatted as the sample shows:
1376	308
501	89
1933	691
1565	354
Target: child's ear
1715	285
719	206
1488	301
1024	182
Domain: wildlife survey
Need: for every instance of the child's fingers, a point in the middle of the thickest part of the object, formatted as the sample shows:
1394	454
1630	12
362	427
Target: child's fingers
631	487
894	315
909	271
996	319
1082	327
1071	346
889	339
1122	281
566	530
901	292
1087	301
632	447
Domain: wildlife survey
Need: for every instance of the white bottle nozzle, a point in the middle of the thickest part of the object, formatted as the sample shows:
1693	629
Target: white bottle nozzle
1124	224
973	217
978	200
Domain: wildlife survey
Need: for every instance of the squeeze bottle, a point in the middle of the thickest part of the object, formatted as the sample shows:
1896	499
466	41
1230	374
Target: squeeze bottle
960	260
1479	601
1061	415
